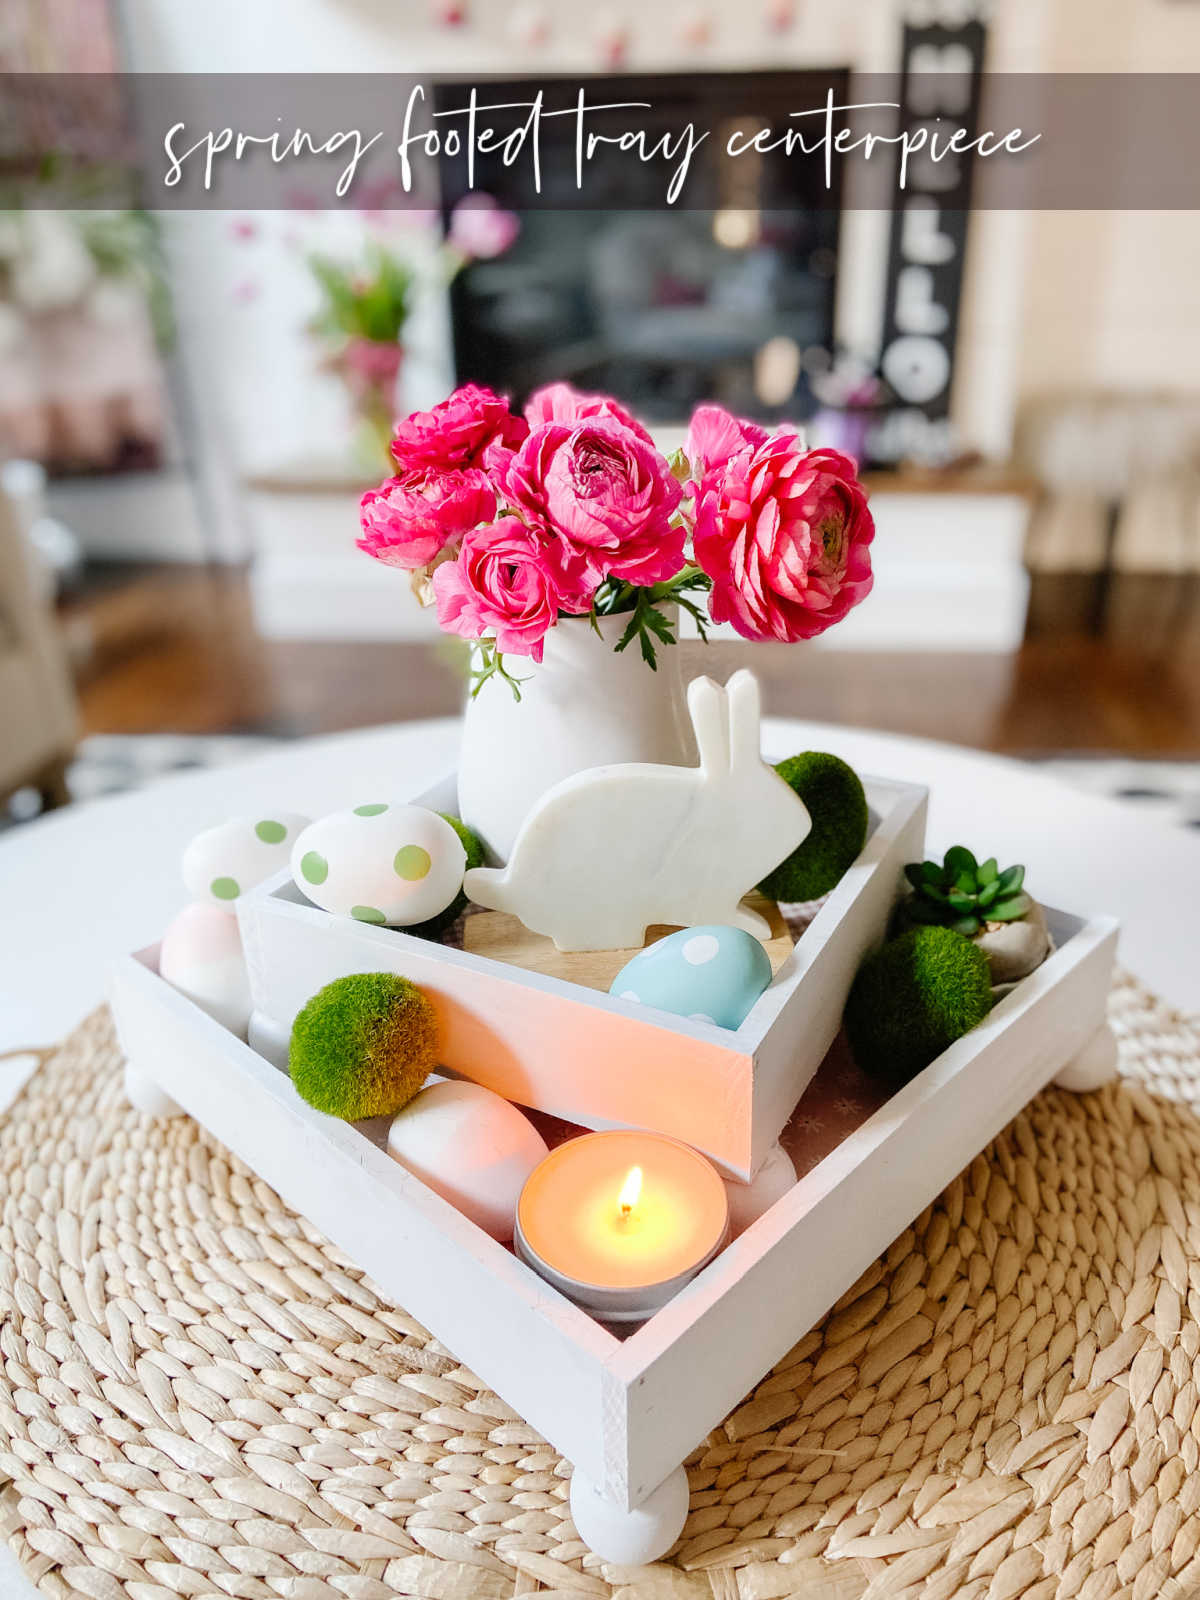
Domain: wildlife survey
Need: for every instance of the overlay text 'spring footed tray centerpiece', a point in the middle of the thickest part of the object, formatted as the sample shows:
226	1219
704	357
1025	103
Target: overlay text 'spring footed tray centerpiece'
424	1103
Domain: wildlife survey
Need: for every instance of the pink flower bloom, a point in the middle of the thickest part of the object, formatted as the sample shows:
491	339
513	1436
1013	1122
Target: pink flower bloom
785	535
457	432
409	519
715	434
606	490
510	581
559	402
373	361
481	228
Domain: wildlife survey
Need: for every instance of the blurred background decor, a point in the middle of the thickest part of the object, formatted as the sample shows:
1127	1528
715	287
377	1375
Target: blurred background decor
1037	565
365	306
360	324
84	311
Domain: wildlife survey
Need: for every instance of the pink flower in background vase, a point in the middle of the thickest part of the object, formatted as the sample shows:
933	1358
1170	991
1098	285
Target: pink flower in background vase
371	363
785	535
560	402
458	431
510	581
410	519
605	489
714	435
481	228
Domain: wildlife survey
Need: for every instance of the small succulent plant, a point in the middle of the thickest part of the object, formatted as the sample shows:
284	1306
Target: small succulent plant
964	894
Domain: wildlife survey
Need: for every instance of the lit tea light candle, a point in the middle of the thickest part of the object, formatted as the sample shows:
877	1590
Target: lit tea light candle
620	1221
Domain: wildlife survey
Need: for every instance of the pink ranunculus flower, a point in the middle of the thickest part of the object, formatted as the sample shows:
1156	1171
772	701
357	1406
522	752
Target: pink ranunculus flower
457	432
560	402
409	519
606	490
715	434
510	581
785	535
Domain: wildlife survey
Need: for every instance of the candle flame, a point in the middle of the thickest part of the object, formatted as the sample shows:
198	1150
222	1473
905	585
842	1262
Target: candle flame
631	1192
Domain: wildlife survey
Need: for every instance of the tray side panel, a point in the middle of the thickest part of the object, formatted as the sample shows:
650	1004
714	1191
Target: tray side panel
545	1358
832	949
513	1033
701	1355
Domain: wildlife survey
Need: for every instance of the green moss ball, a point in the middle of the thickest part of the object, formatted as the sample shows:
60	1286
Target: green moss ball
834	795
435	927
913	998
363	1046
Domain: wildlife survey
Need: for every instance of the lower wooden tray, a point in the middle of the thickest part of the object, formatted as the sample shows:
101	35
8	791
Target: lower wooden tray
627	1412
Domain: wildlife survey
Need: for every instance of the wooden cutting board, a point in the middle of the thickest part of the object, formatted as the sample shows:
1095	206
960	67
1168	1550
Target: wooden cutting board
502	938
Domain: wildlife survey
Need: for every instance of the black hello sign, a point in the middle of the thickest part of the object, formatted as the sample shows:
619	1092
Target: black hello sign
939	87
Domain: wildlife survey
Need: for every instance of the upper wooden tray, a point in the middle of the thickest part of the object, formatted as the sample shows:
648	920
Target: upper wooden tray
590	1057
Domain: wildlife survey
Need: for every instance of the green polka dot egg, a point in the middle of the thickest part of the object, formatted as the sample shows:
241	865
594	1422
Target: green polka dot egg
224	862
395	865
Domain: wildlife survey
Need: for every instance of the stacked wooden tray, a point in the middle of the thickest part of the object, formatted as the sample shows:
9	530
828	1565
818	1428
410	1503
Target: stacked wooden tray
625	1412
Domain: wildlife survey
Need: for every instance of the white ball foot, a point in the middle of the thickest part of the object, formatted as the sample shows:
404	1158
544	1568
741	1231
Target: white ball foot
630	1538
145	1095
748	1201
1094	1066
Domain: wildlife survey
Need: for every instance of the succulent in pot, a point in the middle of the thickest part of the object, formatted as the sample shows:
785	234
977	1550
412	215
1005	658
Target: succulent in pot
985	903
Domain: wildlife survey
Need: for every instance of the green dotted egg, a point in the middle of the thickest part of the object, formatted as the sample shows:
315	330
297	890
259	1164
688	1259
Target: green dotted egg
412	863
369	811
314	867
270	832
367	914
225	888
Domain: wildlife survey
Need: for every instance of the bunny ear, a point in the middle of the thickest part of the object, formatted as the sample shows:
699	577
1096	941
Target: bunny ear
706	705
744	717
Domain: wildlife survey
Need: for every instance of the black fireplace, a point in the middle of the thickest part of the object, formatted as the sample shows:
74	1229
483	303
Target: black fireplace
728	294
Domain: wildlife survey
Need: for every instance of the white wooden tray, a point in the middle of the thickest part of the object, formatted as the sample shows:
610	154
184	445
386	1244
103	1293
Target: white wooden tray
592	1058
626	1413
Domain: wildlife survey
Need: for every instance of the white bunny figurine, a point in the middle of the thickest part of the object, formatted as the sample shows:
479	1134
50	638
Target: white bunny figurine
609	851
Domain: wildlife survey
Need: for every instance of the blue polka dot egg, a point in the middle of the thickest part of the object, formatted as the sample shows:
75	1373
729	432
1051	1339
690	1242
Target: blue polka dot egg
394	865
710	974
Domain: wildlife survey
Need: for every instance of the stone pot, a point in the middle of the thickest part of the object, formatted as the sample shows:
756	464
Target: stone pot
1014	949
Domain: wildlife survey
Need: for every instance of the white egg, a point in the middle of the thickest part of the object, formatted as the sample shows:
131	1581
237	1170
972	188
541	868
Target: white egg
201	956
223	862
389	864
748	1201
269	1038
471	1147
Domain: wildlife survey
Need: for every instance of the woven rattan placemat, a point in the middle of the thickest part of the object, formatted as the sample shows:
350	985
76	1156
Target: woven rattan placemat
200	1396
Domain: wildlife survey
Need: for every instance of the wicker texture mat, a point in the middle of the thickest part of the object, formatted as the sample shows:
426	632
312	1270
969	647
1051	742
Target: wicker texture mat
199	1396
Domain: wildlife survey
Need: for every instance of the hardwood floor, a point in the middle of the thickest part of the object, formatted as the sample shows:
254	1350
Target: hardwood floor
174	649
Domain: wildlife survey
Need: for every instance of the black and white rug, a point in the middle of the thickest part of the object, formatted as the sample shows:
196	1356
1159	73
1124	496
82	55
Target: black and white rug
113	763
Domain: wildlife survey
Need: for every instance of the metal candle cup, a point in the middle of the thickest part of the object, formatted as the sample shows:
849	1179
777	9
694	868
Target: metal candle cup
619	1222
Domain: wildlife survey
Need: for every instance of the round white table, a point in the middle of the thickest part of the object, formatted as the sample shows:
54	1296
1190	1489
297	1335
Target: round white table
85	884
92	881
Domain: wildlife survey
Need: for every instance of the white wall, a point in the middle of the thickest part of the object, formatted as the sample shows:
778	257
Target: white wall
1113	298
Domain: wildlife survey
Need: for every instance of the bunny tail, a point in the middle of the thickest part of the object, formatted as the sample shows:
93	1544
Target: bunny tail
487	886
